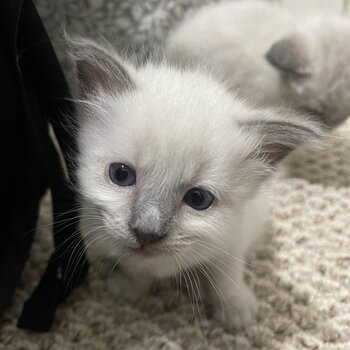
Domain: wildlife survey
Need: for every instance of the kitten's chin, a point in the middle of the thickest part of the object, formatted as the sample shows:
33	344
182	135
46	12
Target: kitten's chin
155	264
159	260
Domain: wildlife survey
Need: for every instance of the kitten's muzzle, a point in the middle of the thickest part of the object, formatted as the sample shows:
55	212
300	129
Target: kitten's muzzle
144	238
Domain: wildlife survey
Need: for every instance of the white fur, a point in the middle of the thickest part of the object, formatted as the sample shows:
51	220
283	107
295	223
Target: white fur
233	38
178	128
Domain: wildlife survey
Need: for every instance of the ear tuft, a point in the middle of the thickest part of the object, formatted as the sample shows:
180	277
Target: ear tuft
290	56
99	67
276	138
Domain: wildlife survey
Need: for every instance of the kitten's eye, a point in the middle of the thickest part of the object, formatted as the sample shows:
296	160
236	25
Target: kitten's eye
198	198
121	174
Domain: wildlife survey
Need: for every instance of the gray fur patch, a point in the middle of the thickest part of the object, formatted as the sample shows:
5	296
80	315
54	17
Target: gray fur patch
154	210
279	138
289	56
99	67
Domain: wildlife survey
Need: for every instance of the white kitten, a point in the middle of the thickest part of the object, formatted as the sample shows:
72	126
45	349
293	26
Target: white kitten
171	170
271	56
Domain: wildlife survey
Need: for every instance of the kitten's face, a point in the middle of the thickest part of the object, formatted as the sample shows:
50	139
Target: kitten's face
182	152
168	158
318	71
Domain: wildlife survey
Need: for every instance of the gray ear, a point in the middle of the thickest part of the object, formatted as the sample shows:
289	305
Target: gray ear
291	56
275	139
99	67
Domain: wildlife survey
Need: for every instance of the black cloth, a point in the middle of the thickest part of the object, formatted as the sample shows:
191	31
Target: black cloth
34	94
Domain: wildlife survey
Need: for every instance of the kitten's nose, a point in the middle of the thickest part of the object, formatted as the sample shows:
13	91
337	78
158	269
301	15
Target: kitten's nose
146	238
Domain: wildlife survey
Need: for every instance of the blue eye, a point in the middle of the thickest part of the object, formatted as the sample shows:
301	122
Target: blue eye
121	174
199	198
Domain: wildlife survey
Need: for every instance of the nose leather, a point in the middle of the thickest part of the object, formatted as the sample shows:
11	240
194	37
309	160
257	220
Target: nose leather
146	238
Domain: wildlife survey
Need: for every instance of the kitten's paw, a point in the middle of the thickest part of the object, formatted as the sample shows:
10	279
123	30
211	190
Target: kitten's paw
127	288
239	311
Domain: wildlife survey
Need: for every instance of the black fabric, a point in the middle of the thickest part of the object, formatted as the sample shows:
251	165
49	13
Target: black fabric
34	94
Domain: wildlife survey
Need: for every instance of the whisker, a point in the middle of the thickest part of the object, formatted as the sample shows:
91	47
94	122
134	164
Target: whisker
114	266
224	251
72	253
221	270
212	280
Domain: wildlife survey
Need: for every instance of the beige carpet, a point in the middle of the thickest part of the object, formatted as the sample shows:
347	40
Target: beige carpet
301	276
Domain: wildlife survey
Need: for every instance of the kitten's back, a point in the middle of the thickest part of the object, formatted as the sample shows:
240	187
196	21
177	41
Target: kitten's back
232	39
271	57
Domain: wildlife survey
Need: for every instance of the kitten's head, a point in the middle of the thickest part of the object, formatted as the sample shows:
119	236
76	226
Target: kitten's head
167	157
314	61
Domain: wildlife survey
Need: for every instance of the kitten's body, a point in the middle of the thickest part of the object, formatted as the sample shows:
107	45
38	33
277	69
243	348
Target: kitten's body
178	129
308	67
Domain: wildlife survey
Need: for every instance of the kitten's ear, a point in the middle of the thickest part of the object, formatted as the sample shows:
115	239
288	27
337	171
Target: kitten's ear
99	67
273	139
290	55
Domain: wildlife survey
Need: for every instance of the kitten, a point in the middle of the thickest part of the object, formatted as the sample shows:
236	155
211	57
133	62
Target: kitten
172	171
271	56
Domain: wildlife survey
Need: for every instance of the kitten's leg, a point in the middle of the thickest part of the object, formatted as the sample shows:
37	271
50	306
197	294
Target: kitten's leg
234	304
130	285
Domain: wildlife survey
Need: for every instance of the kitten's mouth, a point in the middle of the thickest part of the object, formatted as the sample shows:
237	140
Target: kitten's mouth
144	250
150	250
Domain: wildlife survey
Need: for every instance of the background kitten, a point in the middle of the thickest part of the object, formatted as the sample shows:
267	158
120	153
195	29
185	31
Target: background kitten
271	56
314	65
172	170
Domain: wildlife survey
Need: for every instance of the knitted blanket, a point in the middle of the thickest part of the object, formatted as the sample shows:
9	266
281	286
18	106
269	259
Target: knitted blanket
300	273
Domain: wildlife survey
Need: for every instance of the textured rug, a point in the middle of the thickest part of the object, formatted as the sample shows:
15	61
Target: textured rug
300	274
